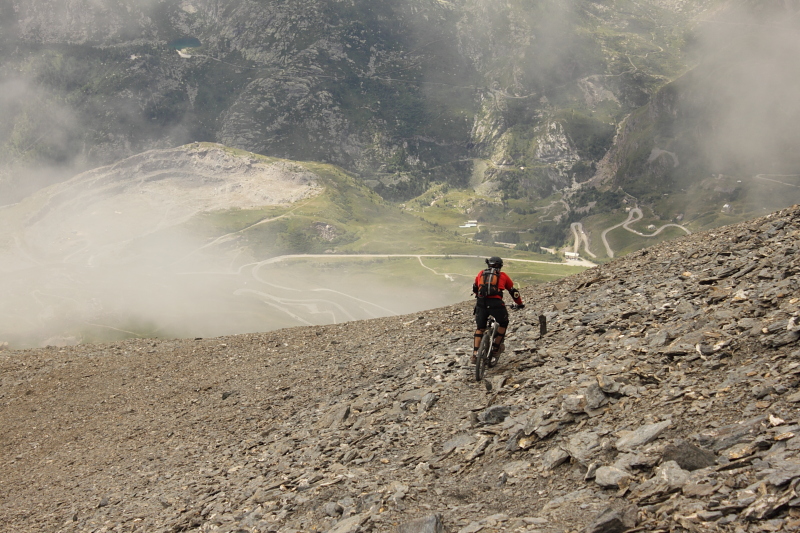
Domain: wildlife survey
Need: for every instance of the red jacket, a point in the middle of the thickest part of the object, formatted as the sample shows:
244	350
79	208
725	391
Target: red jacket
504	283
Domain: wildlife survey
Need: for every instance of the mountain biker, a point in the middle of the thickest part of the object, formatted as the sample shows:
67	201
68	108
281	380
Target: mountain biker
488	289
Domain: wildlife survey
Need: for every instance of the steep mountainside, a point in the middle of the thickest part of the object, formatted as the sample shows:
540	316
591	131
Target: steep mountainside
663	397
725	128
401	92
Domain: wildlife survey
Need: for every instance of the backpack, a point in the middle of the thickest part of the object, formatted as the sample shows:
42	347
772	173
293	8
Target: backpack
488	285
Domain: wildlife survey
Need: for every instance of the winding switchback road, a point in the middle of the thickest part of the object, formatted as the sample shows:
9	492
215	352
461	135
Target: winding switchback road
763	177
635	212
580	236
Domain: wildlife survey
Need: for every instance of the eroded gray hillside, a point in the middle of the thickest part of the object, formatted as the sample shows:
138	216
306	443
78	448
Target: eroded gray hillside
204	240
662	398
100	211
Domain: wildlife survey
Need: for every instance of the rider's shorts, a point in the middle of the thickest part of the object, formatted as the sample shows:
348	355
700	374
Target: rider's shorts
490	306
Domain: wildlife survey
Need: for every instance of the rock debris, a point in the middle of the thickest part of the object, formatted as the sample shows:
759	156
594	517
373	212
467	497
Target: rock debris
663	397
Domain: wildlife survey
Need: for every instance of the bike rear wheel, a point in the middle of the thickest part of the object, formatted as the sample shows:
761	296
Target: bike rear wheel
483	354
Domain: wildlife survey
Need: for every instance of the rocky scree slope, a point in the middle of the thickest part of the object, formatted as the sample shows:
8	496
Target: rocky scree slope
662	398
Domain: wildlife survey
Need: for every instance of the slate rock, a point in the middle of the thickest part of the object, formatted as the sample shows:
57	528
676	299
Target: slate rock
350	525
611	520
628	461
640	436
678	349
765	507
429	524
562	306
574	403
668	478
721	438
608	384
494	415
699	490
688	456
762	390
542	422
332	509
461	441
335	416
783	472
589	318
611	476
789	337
595	397
413	396
516	468
554	457
428	401
479	448
583	445
793	398
659	339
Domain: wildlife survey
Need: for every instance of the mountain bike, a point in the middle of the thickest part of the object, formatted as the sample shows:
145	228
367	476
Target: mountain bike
485	348
484	357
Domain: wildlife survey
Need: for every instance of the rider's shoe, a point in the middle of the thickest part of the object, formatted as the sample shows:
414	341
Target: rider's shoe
474	359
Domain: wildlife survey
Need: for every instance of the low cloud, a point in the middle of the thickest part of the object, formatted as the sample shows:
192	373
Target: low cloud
747	82
130	250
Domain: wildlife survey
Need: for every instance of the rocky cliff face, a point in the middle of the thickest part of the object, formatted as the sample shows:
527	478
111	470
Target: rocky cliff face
662	398
407	90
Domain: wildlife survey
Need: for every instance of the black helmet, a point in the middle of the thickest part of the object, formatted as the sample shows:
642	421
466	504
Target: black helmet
495	262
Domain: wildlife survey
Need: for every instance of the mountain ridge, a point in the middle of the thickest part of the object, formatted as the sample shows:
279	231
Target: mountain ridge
410	91
518	102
